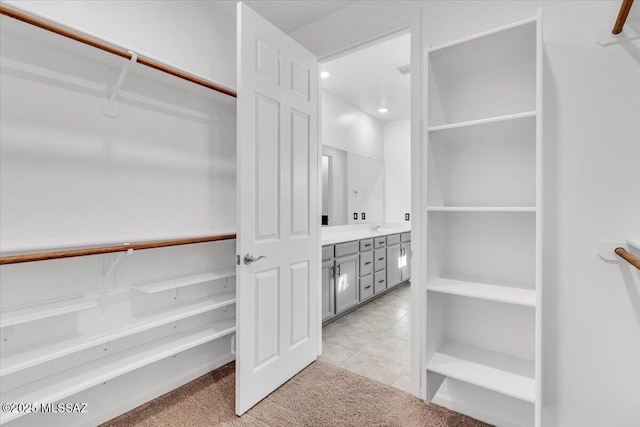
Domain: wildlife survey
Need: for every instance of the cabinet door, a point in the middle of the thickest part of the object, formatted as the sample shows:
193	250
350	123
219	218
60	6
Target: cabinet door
328	289
394	272
346	283
406	253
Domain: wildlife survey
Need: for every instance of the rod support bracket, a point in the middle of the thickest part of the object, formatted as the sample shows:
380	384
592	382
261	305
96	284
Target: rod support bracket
111	104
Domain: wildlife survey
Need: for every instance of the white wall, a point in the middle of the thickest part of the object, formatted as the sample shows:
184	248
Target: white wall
190	34
397	170
591	335
347	128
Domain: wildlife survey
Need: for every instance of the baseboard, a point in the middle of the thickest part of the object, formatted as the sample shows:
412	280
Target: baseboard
475	412
158	391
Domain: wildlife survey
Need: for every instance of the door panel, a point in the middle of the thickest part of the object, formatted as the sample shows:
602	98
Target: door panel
277	297
394	272
346	283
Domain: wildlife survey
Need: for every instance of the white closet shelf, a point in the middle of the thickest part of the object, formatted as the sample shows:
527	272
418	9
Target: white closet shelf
504	294
485	121
26	359
481	375
481	209
179	282
83	377
42	310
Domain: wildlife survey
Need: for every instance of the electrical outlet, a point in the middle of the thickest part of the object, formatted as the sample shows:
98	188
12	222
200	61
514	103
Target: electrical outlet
362	216
355	216
406	217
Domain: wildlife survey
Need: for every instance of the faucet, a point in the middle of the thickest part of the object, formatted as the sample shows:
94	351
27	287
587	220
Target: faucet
375	228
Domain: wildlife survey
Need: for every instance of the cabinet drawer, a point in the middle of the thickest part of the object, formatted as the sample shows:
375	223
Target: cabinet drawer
366	263
380	281
366	287
366	245
348	248
380	242
327	252
380	259
405	237
393	239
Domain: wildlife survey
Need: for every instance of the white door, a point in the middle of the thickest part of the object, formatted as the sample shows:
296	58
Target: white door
278	318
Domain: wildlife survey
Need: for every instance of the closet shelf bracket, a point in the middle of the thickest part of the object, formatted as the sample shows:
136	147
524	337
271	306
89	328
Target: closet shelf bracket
111	104
110	267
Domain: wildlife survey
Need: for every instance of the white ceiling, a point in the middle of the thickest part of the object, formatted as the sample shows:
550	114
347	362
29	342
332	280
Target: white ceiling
367	78
288	15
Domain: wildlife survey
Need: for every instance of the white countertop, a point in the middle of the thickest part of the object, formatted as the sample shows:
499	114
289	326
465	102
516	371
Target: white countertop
333	235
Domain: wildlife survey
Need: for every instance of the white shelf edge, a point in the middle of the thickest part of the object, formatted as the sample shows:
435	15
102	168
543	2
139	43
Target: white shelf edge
24	361
483	34
25	246
481	209
634	242
487	120
179	282
503	294
30	312
83	377
504	382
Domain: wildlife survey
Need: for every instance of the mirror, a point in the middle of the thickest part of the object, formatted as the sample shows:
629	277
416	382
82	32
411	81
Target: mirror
351	184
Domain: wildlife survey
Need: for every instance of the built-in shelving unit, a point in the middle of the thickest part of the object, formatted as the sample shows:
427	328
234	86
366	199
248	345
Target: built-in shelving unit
65	384
42	310
484	248
122	277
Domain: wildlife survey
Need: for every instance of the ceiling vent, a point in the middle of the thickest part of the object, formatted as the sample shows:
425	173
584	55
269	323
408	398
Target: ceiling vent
404	69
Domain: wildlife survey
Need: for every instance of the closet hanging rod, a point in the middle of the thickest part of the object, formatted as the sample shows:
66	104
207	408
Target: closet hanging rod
629	257
70	253
108	47
622	16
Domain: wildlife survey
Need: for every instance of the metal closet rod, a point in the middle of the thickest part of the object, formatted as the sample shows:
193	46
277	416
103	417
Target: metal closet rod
622	16
71	253
629	257
108	47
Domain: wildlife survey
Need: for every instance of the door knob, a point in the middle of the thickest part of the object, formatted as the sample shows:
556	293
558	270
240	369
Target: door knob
248	259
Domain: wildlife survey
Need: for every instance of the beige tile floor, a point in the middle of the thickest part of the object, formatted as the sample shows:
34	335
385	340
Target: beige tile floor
373	340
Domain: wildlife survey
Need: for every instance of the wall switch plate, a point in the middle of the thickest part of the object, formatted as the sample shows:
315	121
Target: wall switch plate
407	216
362	216
355	216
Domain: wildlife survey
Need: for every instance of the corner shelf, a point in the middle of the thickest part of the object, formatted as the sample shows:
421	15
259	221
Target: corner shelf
26	359
51	308
179	282
83	377
481	209
482	375
504	294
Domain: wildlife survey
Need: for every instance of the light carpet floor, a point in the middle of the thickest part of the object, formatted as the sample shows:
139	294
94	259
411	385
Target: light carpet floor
320	395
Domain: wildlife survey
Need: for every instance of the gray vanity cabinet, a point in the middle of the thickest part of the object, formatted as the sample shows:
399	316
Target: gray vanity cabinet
394	272
405	249
328	290
346	282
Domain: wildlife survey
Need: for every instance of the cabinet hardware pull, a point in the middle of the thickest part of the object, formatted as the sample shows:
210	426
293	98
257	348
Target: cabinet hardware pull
380	259
381	281
367	263
338	267
367	245
367	287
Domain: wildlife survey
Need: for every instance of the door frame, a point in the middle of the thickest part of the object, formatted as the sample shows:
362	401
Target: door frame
412	25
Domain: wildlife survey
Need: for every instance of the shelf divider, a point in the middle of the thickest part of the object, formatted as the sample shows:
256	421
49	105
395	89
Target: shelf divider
504	294
478	122
179	282
42	310
498	380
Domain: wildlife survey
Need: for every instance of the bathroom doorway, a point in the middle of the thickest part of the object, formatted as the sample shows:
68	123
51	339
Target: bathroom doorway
365	121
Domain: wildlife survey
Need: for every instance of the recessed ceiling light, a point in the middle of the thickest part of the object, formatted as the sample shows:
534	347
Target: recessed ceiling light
325	74
383	110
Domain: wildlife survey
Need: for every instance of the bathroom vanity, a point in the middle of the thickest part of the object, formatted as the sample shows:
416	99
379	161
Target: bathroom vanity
359	265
